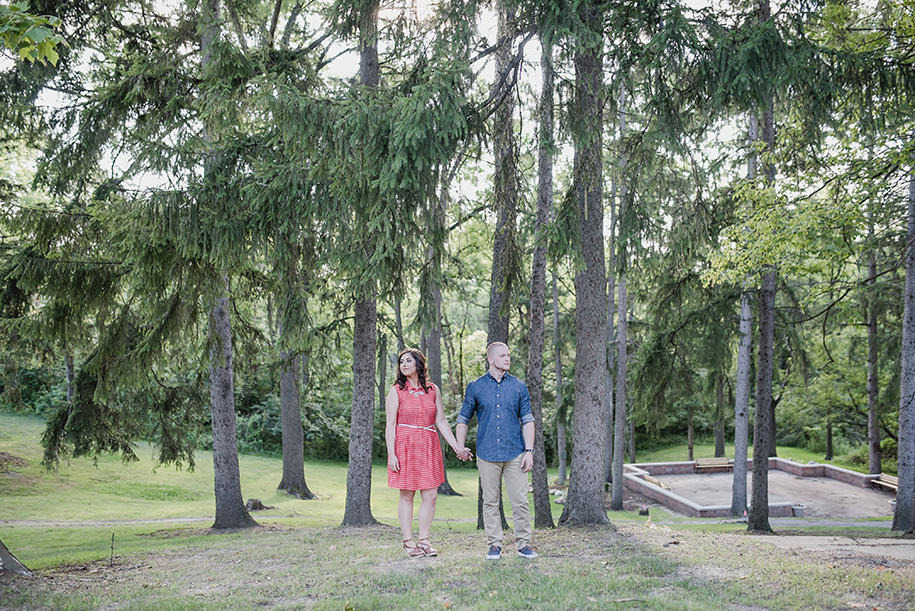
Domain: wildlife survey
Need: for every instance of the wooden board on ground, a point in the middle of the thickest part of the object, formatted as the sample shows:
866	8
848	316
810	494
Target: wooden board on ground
713	465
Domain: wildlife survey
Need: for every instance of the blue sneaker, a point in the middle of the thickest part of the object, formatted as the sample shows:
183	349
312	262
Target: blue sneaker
495	552
527	552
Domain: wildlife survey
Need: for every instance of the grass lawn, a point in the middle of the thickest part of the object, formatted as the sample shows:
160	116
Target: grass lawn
165	557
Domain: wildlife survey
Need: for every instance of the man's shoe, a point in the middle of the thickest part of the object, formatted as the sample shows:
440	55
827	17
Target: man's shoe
527	552
495	552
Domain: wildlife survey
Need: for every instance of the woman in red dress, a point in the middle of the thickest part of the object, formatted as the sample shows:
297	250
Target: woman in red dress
413	409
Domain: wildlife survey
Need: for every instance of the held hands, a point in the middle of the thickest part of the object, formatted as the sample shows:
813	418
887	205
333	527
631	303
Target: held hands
464	454
393	463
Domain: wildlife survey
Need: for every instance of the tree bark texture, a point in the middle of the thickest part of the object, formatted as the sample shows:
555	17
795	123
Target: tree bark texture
505	189
875	457
742	407
9	562
585	501
543	517
557	364
719	415
358	510
758	519
690	433
744	366
293	481
230	507
611	338
619	402
904	518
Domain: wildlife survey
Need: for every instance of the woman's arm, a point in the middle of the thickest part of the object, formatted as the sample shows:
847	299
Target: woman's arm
390	427
442	423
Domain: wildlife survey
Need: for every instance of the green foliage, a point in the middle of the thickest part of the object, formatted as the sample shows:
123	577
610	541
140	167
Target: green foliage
31	37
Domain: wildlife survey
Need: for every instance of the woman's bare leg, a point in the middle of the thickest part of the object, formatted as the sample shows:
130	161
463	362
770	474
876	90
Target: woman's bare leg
405	514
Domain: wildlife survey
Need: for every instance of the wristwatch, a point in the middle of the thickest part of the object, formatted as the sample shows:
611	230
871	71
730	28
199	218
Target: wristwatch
531	450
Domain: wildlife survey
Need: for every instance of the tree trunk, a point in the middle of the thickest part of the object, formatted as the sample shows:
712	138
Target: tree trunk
585	501
304	360
719	416
454	380
689	433
611	338
619	403
875	458
828	438
560	410
742	407
504	182
619	412
293	481
230	508
759	507
9	562
434	361
904	518
773	450
71	378
381	387
358	511
543	517
744	362
398	325
758	519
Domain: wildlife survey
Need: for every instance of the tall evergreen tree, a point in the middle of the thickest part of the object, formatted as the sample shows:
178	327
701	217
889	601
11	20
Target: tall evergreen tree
585	501
358	510
543	517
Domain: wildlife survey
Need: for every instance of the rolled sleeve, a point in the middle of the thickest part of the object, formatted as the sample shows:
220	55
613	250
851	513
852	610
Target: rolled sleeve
524	410
468	407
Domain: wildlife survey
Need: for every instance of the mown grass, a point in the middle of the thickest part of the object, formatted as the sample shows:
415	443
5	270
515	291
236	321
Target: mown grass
61	524
589	568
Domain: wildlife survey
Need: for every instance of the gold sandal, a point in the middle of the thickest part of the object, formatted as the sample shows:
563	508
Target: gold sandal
426	547
413	550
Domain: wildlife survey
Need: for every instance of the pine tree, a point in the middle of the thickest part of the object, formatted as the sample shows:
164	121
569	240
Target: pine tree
543	517
585	501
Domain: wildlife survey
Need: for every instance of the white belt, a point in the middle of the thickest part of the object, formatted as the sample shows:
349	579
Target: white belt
413	426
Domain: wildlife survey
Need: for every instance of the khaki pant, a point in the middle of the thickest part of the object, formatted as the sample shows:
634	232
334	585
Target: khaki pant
491	474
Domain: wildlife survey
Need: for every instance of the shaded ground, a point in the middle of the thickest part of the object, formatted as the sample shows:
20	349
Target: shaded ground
640	567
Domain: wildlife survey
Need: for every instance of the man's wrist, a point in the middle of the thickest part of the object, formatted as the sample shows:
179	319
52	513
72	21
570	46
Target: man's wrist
529	450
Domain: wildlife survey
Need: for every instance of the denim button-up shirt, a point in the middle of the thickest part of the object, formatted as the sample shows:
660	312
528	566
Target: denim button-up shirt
502	408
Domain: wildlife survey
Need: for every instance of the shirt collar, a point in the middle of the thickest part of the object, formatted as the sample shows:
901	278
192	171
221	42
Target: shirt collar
504	377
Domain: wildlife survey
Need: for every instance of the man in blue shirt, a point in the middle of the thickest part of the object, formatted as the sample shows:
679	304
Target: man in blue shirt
505	447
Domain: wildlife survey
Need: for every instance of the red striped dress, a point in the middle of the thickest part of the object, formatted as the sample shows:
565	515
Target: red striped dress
416	442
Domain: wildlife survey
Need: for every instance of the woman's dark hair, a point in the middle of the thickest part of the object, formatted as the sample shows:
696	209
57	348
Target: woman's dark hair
420	359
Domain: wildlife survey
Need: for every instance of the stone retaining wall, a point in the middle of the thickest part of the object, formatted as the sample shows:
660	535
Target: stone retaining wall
633	475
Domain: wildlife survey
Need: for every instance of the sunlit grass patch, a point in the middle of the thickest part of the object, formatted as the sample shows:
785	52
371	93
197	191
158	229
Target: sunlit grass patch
149	492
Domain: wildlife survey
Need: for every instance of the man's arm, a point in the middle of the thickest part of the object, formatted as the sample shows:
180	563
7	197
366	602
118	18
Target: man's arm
527	460
463	420
460	434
